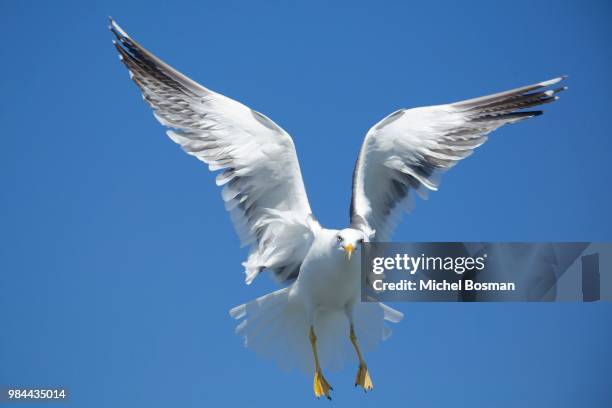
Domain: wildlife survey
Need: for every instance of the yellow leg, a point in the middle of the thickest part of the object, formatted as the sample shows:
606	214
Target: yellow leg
321	386
363	376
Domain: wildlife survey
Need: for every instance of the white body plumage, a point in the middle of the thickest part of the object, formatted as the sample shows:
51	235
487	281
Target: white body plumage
326	296
327	279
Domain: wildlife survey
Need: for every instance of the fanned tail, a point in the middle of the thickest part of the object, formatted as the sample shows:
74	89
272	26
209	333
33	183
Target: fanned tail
276	328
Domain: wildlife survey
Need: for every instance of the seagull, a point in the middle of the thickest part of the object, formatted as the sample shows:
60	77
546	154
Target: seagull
306	323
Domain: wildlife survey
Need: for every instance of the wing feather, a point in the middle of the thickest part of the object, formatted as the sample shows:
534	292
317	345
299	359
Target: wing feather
409	150
261	181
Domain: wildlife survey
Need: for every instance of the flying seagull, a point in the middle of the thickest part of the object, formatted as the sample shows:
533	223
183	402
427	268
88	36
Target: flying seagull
306	323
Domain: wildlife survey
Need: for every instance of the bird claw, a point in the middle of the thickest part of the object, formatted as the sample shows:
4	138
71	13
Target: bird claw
363	378
321	386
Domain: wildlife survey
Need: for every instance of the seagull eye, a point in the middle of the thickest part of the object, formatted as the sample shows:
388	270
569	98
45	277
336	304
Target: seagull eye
361	241
340	239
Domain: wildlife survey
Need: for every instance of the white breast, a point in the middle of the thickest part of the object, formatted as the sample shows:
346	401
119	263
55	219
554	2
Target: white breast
327	279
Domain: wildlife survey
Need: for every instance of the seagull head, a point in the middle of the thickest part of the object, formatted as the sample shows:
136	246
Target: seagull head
350	240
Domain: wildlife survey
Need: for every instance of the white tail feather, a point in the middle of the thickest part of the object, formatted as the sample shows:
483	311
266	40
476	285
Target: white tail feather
275	327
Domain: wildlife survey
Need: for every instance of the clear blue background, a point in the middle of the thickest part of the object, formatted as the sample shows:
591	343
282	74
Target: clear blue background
118	263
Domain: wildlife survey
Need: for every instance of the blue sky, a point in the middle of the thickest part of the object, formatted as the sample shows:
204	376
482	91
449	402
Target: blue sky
118	263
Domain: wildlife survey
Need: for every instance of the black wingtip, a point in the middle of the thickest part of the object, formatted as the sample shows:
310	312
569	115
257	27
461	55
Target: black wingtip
526	114
509	116
116	30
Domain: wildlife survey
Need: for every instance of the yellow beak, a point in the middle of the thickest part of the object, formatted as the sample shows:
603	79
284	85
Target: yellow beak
349	250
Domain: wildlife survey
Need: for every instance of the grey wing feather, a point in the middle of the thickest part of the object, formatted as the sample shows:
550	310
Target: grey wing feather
409	150
262	184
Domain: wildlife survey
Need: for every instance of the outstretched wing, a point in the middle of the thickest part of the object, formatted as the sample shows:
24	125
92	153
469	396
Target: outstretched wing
409	149
263	188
